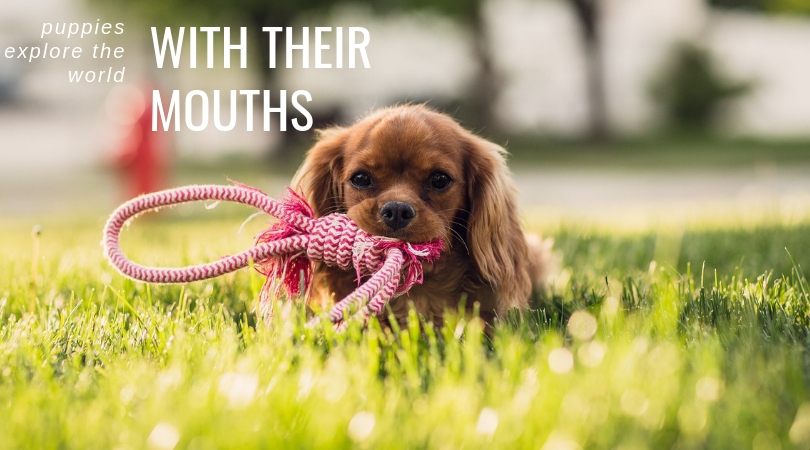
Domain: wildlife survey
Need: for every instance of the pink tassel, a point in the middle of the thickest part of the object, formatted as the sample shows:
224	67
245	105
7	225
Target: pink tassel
429	251
287	273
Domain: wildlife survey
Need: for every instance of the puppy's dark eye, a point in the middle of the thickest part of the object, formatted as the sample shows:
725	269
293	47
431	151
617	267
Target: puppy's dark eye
439	181
361	180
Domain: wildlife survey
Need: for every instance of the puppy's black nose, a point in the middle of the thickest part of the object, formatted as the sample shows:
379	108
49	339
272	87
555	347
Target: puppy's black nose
397	214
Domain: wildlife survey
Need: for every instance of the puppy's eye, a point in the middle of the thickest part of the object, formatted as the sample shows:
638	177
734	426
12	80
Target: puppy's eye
361	180
439	181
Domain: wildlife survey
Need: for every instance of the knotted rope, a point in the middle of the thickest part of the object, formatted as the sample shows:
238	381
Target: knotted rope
284	253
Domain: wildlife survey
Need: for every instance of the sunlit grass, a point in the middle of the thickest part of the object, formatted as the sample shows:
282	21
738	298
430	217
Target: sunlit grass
706	347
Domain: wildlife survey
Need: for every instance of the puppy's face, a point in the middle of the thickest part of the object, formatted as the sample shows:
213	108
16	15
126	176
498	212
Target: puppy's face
403	177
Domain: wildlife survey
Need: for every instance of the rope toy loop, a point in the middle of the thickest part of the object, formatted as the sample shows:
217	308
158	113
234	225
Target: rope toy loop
284	252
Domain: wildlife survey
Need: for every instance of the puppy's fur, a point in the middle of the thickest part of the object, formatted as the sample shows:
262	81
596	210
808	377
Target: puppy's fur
444	182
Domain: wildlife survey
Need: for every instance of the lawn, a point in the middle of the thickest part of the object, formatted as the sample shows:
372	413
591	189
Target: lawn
647	339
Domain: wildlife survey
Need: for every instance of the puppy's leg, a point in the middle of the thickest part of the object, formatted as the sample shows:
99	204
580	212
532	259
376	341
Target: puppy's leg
542	261
330	285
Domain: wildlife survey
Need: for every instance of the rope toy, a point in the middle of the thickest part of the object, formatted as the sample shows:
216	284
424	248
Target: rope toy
284	252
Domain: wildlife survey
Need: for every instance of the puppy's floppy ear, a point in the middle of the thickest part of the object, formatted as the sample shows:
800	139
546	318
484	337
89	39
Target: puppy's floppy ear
494	238
319	176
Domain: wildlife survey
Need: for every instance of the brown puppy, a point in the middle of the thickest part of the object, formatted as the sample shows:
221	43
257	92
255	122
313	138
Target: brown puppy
411	173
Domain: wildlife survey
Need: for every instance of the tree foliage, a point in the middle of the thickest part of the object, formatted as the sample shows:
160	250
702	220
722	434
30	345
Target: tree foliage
174	12
691	88
768	6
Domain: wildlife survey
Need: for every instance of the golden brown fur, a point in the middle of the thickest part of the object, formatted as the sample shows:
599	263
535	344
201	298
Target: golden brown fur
404	153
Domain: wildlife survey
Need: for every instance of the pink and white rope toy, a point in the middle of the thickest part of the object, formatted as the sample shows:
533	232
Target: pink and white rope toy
284	253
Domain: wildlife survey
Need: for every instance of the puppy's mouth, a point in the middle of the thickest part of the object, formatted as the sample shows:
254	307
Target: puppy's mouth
410	233
417	230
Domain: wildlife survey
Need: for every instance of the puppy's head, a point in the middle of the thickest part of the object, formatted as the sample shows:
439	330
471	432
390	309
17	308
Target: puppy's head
411	173
398	173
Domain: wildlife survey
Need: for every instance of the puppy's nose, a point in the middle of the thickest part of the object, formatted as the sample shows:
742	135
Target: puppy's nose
397	214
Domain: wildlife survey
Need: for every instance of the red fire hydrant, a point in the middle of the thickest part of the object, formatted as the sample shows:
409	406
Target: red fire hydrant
142	157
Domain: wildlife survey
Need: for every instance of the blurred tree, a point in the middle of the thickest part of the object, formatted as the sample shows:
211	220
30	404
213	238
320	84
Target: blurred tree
488	84
588	14
690	88
470	15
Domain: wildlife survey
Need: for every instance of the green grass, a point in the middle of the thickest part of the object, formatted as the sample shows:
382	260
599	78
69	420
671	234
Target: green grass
661	152
622	353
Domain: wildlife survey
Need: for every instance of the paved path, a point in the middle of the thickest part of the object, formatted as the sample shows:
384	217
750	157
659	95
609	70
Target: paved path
580	191
560	191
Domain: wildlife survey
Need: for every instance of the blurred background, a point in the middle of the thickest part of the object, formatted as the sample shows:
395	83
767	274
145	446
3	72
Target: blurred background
611	108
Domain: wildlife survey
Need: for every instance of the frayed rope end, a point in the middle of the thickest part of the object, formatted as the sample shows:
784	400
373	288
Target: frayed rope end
289	274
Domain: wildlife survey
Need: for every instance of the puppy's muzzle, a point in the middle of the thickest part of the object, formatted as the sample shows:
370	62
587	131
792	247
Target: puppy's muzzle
397	215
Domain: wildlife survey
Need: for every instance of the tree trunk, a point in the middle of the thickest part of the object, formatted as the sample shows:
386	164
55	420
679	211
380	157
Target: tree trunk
588	13
486	87
269	78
